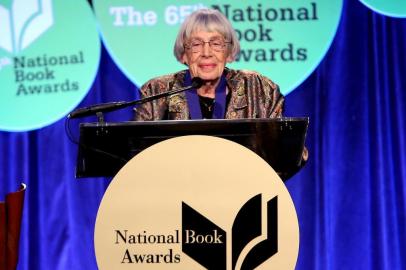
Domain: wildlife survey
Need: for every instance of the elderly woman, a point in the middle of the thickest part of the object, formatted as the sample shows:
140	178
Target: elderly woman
205	43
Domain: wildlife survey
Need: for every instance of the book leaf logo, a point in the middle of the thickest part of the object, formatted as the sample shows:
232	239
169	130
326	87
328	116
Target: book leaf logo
23	23
205	242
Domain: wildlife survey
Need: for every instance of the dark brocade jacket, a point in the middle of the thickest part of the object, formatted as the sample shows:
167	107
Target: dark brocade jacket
251	96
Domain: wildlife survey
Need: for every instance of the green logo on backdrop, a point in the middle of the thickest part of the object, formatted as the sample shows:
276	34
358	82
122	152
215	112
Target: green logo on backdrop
393	8
49	54
282	39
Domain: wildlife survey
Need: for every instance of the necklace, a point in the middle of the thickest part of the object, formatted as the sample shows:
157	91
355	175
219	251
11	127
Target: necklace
206	106
207	103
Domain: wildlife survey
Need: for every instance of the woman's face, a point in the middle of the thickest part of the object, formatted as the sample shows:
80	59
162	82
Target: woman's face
207	62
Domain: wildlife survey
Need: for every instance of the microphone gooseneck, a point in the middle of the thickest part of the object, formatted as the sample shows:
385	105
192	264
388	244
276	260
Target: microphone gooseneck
112	106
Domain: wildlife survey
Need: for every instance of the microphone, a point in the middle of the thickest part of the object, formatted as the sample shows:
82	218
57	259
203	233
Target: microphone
197	82
112	106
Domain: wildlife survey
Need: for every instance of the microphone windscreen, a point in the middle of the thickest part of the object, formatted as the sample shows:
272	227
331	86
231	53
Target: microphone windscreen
197	82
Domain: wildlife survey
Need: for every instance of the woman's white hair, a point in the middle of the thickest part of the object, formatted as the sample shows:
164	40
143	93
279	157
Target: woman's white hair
210	20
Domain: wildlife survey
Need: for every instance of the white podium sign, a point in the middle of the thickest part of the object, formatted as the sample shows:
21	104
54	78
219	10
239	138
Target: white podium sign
197	202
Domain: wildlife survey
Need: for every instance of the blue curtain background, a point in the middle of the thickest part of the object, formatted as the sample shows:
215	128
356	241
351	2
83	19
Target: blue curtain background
350	197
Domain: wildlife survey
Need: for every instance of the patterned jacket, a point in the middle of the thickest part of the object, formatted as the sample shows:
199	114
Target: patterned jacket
252	96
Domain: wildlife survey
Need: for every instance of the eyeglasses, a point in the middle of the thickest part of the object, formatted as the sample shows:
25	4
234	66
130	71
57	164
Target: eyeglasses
197	45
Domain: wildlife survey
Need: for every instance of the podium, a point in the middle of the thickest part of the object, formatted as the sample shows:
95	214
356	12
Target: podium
200	195
104	148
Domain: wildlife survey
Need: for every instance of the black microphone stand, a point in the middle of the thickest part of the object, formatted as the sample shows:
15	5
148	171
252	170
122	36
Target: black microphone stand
99	109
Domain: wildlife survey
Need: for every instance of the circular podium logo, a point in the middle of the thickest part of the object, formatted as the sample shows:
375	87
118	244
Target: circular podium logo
196	202
282	39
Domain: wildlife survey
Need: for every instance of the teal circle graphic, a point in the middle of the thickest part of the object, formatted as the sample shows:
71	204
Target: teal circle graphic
392	8
283	39
49	56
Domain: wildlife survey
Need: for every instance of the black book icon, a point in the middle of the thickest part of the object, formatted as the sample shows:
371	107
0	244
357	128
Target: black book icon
205	242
